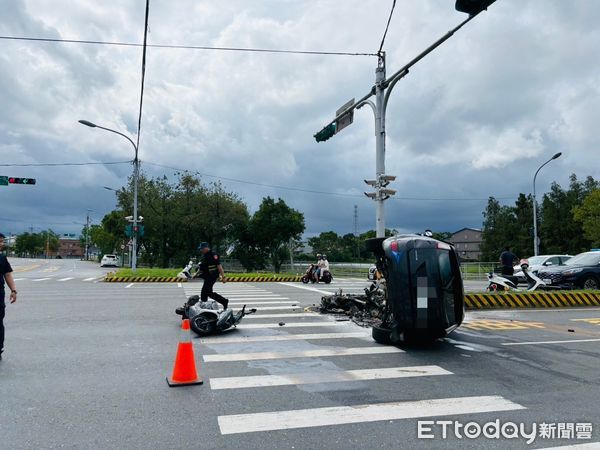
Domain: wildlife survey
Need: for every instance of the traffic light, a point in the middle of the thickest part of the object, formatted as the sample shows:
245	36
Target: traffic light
472	7
3	181
14	180
325	133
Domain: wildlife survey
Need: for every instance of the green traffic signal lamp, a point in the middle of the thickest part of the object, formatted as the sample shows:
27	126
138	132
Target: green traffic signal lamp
472	7
326	133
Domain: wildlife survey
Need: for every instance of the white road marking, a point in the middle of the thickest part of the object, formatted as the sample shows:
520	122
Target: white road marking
66	279
178	285
276	316
339	415
262	297
42	279
569	341
273	308
325	377
18	279
285	337
306	288
129	285
249	302
89	279
292	325
336	351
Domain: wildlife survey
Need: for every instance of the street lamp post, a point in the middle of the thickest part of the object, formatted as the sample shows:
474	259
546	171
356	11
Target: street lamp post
381	90
536	243
136	174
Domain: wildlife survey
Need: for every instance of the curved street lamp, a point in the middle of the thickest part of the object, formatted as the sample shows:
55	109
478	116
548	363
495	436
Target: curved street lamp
536	243
136	170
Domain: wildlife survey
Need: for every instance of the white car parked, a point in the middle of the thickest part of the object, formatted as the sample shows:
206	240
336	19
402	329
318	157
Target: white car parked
109	260
539	262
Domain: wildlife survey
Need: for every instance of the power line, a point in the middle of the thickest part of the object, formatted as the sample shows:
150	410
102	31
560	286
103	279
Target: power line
143	79
186	47
387	27
310	191
100	163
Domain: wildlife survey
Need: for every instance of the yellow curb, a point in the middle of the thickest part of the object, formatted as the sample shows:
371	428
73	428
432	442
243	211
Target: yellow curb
515	300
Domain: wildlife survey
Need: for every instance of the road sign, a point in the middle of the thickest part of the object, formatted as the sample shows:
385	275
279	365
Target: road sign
3	180
344	119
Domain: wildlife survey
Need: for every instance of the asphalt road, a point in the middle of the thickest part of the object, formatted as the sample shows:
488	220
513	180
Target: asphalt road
85	367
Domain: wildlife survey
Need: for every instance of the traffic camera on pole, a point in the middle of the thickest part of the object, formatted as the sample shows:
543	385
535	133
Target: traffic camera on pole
384	180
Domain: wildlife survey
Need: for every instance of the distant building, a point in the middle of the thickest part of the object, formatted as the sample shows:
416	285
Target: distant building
467	242
70	248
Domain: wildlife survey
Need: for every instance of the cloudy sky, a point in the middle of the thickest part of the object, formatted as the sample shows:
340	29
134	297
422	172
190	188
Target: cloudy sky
474	119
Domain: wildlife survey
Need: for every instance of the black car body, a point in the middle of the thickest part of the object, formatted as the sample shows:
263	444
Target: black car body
425	294
582	271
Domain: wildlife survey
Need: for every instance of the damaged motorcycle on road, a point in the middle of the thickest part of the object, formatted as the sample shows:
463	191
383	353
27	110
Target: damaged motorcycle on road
209	317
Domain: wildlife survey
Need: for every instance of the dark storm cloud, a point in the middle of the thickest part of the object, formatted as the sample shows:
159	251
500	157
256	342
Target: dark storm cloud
474	119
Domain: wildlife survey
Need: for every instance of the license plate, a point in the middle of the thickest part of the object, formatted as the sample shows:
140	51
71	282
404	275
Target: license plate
547	280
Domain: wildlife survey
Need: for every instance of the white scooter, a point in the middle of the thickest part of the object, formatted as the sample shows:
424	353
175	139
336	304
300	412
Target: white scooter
186	273
503	283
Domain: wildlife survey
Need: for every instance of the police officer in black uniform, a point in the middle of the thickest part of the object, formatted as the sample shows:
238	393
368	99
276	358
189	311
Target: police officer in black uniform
5	274
211	270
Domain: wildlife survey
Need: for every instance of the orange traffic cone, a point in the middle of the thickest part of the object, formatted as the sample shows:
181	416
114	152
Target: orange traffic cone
184	372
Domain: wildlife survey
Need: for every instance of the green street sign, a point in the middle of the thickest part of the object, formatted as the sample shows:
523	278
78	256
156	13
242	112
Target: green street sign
3	180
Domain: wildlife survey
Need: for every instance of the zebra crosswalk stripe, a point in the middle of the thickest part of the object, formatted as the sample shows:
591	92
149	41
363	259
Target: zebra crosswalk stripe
341	415
318	353
285	337
244	326
325	377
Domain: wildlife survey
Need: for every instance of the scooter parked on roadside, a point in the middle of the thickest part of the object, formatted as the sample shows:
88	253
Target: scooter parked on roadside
510	283
186	272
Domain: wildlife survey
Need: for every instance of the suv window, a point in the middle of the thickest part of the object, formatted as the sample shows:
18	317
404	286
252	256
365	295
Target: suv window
555	261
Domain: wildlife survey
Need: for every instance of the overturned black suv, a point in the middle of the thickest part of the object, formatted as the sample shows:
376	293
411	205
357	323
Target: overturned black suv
424	288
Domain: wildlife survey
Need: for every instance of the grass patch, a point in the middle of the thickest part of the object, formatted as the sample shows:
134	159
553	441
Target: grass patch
146	272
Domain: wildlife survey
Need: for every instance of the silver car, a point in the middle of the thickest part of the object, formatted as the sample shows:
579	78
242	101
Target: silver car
539	262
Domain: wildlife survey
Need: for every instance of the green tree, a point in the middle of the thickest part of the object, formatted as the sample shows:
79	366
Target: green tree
588	215
178	216
499	229
330	244
272	227
559	231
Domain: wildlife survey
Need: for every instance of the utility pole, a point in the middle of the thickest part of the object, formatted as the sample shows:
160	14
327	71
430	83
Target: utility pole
356	230
382	90
87	235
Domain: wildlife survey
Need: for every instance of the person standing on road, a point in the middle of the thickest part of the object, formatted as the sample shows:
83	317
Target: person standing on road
211	270
5	275
508	260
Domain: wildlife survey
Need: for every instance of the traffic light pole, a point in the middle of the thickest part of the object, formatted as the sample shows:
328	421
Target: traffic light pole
382	90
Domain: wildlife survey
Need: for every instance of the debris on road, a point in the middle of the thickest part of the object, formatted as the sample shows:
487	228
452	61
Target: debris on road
364	310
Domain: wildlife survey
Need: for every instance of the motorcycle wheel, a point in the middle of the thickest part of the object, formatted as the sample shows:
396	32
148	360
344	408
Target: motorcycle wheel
305	279
203	324
327	278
